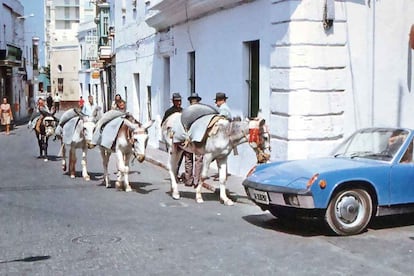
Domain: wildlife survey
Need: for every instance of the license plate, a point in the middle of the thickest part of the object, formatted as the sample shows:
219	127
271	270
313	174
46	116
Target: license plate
259	196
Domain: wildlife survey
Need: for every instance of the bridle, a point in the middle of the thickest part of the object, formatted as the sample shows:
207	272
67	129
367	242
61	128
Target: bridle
130	136
257	131
49	125
86	122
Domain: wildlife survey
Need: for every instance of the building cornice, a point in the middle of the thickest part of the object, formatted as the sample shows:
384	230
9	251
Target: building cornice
168	13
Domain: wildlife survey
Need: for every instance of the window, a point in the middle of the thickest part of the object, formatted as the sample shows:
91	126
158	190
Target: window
149	107
191	71
408	155
253	77
67	13
60	85
105	26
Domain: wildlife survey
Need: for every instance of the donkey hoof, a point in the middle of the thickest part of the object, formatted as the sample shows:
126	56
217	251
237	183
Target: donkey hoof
128	190
199	200
87	178
72	176
118	186
227	202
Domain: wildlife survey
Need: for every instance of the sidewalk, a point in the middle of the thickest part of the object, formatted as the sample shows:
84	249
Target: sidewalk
235	189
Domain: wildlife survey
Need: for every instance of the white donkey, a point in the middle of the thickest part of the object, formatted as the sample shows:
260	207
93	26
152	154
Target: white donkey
131	139
219	140
76	132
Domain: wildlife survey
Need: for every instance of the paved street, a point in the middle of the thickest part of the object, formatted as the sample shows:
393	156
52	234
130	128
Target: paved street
53	225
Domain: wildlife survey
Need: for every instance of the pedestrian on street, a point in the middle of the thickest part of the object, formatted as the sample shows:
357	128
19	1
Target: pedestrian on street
193	163
176	107
221	103
56	101
6	115
89	107
121	105
118	103
49	101
81	102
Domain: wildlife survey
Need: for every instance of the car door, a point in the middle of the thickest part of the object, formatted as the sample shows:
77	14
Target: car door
402	178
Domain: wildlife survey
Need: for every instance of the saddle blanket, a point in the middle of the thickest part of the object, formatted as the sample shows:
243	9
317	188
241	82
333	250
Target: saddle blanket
193	112
196	132
68	130
110	132
68	133
32	123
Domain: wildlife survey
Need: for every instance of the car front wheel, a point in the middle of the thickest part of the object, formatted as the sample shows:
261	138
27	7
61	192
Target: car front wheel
349	212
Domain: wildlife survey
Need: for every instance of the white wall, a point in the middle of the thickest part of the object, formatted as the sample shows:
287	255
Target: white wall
221	62
326	84
134	45
316	86
69	59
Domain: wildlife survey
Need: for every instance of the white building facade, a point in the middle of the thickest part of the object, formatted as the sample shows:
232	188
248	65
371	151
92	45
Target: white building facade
14	52
134	47
62	46
316	70
89	67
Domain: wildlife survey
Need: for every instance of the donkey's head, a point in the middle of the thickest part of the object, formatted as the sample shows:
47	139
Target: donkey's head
259	139
88	127
138	137
49	125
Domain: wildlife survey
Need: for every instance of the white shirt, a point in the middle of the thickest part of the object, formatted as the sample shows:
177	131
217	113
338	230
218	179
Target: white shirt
225	111
88	109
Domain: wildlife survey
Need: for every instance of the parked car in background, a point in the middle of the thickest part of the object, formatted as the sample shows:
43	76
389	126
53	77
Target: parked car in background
370	174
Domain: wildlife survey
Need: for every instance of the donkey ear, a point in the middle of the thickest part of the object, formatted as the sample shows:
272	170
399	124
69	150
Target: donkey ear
148	124
262	122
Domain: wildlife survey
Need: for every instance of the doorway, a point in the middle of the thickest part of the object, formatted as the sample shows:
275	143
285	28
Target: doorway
253	80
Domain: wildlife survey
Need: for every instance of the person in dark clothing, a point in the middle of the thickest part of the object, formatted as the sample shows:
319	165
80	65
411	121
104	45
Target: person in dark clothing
176	107
49	102
176	99
193	162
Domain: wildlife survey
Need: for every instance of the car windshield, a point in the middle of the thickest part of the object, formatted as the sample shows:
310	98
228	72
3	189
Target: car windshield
379	144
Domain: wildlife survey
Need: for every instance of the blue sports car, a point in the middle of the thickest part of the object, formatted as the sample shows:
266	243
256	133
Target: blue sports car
370	174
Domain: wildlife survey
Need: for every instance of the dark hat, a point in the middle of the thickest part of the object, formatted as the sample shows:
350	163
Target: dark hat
194	96
176	97
220	96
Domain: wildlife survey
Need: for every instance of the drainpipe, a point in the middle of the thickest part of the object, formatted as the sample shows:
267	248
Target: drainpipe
373	66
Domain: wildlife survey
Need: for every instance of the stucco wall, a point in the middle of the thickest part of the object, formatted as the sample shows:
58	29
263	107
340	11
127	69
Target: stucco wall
69	59
221	62
134	46
326	84
316	86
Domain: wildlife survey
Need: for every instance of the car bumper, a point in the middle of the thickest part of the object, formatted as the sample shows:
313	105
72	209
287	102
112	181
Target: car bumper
271	195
